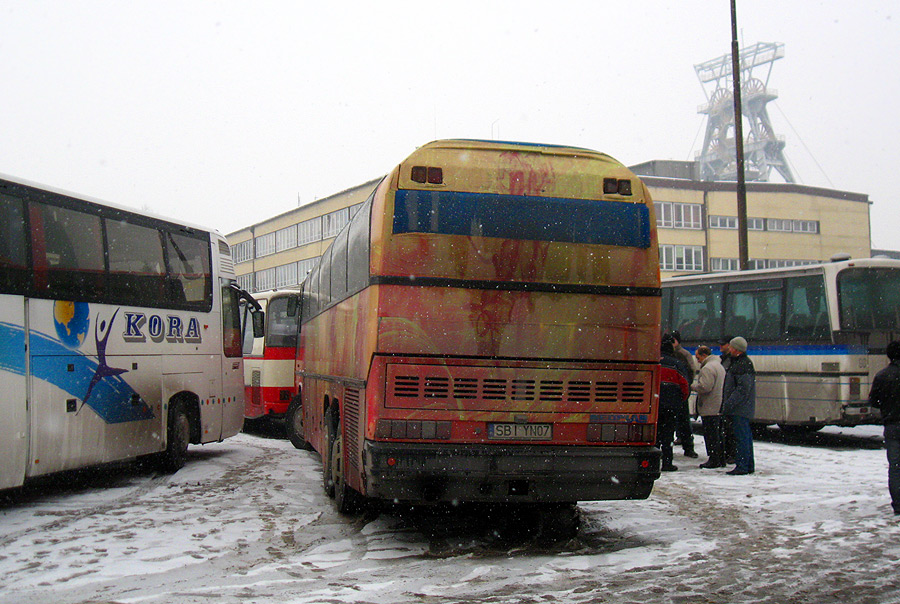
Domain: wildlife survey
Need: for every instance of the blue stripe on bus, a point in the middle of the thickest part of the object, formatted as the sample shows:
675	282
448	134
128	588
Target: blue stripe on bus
799	349
524	217
111	398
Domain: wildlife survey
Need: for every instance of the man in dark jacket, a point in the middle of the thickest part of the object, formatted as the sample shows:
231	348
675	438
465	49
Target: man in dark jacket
673	391
683	423
739	402
885	396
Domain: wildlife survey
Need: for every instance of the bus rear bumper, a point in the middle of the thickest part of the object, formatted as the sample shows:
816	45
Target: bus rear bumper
507	473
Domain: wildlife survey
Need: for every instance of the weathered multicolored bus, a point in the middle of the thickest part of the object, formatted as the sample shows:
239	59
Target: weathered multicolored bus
486	329
119	335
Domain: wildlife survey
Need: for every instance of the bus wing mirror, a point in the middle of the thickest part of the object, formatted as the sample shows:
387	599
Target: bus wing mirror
259	323
293	305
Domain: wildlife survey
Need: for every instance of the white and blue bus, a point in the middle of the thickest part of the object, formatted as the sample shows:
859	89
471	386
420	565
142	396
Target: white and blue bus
817	333
119	335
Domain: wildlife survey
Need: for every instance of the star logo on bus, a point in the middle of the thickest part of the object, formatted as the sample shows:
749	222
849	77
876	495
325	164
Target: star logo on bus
103	369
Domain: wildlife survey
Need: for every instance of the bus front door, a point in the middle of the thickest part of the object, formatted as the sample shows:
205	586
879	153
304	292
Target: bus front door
13	406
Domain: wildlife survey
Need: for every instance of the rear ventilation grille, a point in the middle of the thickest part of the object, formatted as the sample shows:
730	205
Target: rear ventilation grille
411	383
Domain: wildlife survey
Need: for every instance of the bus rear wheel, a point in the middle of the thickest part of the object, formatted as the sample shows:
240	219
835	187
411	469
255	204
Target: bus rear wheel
346	499
327	476
178	436
293	425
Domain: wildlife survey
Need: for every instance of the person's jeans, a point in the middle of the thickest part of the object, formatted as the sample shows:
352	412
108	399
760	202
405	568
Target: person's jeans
744	440
892	444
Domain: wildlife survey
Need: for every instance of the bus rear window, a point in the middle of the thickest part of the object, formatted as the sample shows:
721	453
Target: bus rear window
869	299
522	217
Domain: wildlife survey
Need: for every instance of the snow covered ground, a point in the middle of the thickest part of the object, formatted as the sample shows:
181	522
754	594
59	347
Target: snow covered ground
247	521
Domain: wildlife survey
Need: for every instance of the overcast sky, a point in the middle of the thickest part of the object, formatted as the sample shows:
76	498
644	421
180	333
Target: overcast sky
225	113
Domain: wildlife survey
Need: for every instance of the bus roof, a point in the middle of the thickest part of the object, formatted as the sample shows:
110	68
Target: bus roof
763	273
14	180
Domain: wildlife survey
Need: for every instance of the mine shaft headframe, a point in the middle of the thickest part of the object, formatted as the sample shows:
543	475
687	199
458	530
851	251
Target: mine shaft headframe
763	148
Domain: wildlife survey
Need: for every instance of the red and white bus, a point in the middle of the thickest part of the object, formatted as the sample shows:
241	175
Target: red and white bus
269	360
486	329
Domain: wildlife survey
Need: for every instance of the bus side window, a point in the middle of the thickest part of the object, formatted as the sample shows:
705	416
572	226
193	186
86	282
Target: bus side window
231	323
14	274
71	249
189	278
137	269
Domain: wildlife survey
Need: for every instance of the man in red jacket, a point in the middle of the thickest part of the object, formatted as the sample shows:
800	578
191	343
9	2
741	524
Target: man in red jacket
673	391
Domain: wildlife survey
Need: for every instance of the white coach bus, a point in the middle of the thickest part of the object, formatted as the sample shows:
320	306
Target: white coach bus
119	335
817	333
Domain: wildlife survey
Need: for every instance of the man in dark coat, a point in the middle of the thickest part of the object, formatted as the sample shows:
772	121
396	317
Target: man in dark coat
739	402
673	391
683	424
885	396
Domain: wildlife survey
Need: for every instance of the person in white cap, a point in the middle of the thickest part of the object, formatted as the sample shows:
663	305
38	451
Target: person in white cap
739	402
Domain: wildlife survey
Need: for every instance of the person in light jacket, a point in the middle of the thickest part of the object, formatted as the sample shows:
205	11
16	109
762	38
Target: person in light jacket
739	402
708	386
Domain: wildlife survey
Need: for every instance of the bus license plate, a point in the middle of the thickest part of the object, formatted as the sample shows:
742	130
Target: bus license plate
520	431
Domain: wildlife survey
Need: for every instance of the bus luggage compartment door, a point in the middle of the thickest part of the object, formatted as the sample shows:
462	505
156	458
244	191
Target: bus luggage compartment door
13	412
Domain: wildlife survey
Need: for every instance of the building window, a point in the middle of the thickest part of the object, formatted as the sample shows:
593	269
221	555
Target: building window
309	231
806	226
245	282
304	266
755	264
723	222
286	239
756	224
334	222
265	245
724	264
678	215
681	258
265	279
780	225
243	251
286	275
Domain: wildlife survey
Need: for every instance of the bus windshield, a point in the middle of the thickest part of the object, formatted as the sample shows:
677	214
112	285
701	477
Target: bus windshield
869	299
282	326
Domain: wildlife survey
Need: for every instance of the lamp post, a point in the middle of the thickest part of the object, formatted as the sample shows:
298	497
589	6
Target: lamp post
743	254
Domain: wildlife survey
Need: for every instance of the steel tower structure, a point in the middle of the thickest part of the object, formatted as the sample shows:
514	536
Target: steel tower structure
763	150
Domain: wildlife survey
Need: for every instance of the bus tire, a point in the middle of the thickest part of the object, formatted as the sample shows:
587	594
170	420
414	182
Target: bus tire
178	436
327	478
346	499
293	425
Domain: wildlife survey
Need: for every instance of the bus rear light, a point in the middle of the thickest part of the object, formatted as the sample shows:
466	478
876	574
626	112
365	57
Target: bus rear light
621	433
419	174
435	176
616	186
413	429
429	174
854	387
